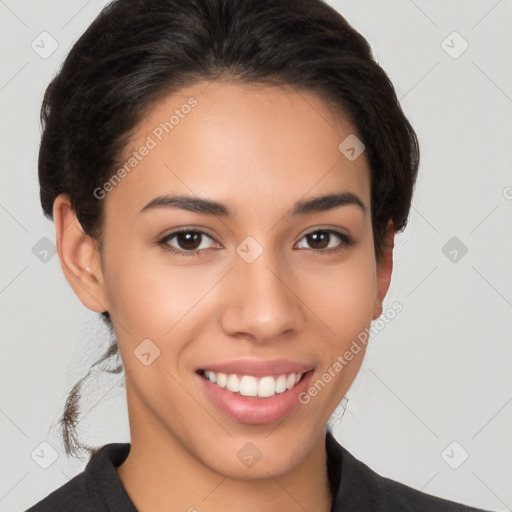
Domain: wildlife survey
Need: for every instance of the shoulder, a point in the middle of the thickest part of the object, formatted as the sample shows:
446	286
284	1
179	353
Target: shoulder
361	488
97	488
71	496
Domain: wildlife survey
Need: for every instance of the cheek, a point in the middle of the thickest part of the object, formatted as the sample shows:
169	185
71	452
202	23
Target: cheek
149	298
345	304
344	297
158	293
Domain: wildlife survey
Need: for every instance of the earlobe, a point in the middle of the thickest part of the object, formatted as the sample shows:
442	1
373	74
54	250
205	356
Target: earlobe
79	257
384	269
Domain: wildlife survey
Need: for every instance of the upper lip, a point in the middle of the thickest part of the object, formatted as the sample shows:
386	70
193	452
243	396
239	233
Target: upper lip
258	367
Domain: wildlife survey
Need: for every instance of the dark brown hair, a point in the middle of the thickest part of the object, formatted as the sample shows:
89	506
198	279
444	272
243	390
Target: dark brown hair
138	51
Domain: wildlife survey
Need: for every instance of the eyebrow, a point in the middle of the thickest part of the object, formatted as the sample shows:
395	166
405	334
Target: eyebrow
210	207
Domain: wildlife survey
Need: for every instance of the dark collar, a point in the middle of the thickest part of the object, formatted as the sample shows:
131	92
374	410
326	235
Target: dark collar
103	484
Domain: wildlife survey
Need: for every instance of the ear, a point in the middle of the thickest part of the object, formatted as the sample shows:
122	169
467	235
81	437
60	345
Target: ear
79	257
384	269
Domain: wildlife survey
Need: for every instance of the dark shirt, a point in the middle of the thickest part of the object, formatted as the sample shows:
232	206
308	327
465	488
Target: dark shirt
355	487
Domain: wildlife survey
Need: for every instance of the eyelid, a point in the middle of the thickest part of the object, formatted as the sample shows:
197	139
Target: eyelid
163	240
203	230
346	240
329	228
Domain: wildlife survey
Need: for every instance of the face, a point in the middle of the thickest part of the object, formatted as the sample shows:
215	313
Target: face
254	289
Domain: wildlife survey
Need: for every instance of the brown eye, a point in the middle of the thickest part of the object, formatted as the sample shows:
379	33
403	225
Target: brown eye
320	240
188	242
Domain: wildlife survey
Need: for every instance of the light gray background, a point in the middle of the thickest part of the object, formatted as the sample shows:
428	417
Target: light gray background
439	372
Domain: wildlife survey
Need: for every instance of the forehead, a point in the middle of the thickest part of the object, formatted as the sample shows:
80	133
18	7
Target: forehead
252	147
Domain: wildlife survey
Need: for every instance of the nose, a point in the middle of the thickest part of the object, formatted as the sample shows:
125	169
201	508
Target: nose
262	303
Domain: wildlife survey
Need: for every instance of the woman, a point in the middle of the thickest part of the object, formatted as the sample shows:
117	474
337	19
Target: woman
226	179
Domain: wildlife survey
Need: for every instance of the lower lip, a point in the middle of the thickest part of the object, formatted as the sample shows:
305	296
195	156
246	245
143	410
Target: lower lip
255	410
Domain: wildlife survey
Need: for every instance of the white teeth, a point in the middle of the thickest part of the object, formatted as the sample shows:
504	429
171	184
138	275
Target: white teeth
281	384
233	384
222	380
267	387
211	376
290	381
248	385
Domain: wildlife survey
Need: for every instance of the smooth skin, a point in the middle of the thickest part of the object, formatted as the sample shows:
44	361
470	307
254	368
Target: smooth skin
258	150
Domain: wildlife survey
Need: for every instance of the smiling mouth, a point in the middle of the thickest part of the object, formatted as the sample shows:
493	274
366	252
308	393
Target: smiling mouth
249	385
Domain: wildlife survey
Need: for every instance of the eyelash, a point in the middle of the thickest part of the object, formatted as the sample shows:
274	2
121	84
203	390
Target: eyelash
346	242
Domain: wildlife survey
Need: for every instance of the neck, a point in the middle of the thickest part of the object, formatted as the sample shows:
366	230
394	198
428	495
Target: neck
160	472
